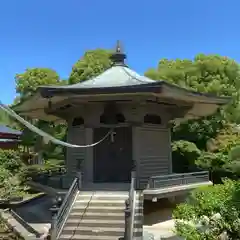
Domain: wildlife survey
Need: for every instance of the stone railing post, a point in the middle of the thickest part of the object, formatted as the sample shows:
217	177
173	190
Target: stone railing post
79	176
54	210
127	220
134	179
134	174
53	229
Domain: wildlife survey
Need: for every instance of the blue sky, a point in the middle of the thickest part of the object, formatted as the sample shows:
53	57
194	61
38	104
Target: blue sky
55	33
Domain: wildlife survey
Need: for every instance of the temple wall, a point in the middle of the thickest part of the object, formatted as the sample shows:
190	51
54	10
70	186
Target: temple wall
151	142
75	156
152	148
133	112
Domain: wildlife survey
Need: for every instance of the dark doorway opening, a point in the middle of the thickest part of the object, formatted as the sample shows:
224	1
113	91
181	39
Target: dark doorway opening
113	157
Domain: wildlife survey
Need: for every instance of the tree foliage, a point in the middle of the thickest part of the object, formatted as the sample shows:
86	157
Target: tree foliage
10	166
198	131
211	74
220	157
206	73
209	212
10	160
234	163
28	81
184	154
225	140
93	63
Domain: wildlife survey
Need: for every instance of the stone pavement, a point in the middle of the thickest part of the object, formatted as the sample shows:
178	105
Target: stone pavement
161	231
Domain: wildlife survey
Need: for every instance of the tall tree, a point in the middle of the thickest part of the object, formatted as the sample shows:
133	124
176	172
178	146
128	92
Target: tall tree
209	74
205	73
93	63
28	81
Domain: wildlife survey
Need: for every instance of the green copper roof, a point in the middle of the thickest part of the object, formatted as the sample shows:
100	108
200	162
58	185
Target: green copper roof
116	76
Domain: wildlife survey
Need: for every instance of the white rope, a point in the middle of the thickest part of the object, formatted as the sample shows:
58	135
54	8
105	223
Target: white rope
47	137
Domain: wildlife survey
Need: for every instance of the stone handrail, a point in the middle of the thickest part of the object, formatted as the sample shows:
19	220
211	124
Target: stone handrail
43	188
25	224
177	179
130	209
66	206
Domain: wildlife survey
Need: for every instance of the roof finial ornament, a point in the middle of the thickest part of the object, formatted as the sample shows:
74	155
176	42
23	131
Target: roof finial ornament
118	56
118	47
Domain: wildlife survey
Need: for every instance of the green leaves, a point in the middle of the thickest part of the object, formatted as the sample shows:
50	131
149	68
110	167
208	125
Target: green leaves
184	154
206	73
27	82
210	74
219	204
10	160
93	63
10	166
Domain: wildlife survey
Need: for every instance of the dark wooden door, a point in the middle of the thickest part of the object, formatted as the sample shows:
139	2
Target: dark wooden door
113	156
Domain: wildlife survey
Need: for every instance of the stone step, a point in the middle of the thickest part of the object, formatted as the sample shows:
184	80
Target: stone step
95	217
95	224
103	194
101	198
112	196
99	223
95	231
100	216
102	221
108	206
98	204
104	210
96	214
87	237
102	201
93	206
113	221
98	209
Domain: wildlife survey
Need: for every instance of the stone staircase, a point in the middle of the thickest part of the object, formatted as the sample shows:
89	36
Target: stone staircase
96	215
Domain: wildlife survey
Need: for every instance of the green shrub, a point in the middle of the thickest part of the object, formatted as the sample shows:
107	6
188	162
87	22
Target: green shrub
212	161
234	164
4	174
12	189
54	165
234	154
29	172
184	154
10	185
221	164
211	211
10	160
32	172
